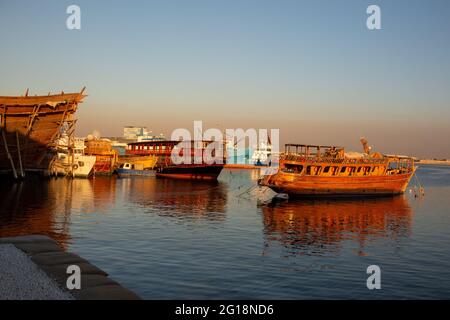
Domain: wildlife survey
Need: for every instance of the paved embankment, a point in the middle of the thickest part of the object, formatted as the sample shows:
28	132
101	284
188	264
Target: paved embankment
435	162
35	267
20	278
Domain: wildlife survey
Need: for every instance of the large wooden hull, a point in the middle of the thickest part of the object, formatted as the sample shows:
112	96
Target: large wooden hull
30	126
312	186
195	172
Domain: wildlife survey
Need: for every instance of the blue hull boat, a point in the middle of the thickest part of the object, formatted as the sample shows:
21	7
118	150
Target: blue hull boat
132	172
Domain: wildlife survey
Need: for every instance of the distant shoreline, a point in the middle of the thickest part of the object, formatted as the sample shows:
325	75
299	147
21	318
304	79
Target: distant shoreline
435	162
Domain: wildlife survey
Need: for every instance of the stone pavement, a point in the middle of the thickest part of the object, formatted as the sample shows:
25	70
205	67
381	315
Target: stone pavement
20	278
35	267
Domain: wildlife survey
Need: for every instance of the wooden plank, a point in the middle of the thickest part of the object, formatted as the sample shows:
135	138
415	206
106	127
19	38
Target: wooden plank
32	118
36	100
20	157
9	155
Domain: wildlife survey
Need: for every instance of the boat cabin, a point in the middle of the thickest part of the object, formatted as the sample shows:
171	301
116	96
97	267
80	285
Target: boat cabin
131	166
330	161
163	149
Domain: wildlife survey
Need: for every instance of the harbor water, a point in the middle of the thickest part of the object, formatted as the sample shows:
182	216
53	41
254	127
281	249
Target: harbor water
172	239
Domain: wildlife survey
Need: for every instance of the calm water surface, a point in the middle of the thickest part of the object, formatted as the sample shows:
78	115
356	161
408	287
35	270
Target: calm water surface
168	239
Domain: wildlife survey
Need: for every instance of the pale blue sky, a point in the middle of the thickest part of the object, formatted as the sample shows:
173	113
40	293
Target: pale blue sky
310	68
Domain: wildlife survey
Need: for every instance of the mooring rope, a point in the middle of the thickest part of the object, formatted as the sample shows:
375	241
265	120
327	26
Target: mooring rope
421	188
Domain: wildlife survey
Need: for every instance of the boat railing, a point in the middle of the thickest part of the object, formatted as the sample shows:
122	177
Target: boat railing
305	159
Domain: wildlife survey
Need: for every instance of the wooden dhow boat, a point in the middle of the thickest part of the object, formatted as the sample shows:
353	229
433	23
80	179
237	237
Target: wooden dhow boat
106	157
311	171
30	127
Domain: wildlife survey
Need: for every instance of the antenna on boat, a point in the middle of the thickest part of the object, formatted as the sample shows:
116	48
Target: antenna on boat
26	92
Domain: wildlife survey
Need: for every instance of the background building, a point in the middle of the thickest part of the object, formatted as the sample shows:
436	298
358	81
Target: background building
132	132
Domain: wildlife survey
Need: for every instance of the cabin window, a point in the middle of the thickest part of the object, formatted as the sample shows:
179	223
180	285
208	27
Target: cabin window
330	171
293	168
359	169
343	169
317	170
313	170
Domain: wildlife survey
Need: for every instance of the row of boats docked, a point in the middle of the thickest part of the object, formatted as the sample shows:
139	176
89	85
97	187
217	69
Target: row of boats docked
37	134
148	158
303	170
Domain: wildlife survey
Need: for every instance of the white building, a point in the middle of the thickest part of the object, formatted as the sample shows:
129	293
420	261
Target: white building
132	132
140	134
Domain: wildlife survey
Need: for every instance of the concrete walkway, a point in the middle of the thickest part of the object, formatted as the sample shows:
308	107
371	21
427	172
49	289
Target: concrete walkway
21	278
35	267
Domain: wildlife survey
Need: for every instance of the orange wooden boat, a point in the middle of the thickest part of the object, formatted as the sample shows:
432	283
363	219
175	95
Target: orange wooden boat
29	128
310	170
106	156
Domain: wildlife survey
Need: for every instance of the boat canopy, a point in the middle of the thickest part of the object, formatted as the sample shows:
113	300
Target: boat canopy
310	150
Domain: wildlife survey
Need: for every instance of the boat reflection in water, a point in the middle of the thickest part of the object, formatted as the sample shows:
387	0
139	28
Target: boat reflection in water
50	207
318	227
181	199
37	206
65	208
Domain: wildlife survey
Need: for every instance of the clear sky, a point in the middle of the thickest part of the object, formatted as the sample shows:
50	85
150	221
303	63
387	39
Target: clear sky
310	68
